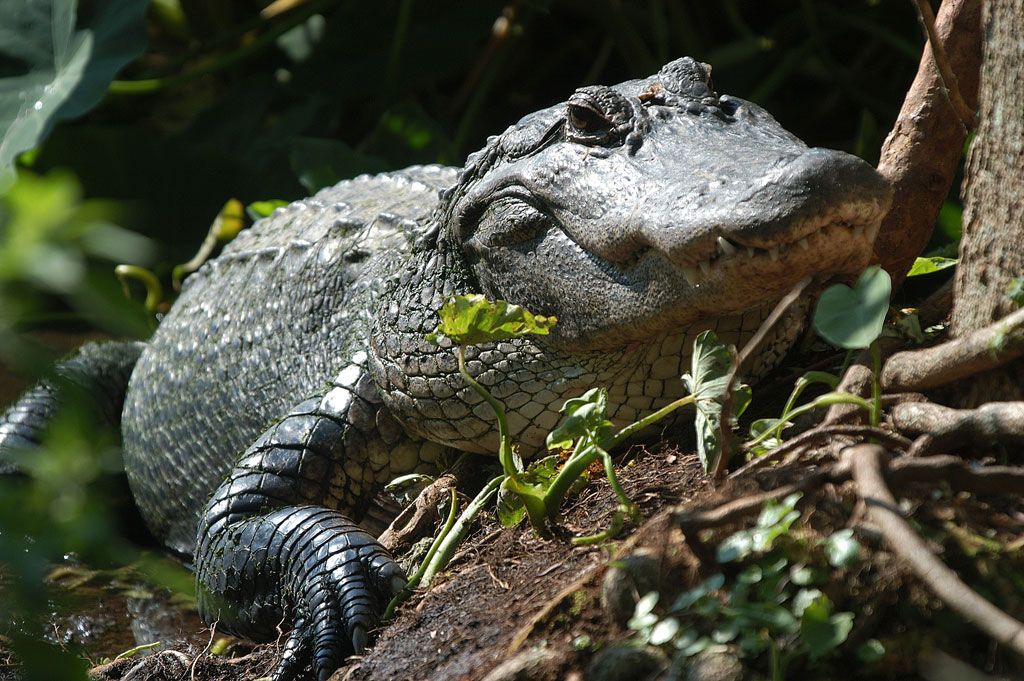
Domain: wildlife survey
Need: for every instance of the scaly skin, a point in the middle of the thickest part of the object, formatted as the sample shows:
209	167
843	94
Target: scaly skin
291	380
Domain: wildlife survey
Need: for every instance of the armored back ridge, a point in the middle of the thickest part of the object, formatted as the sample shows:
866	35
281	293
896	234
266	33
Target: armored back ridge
292	380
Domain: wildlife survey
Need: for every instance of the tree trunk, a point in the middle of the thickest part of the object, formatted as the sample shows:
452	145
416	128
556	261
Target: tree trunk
992	249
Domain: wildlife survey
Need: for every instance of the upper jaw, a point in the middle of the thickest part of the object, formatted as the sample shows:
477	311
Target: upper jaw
850	227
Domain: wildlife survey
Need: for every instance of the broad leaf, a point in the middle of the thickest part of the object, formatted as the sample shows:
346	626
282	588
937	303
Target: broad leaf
472	319
710	368
55	70
822	631
929	265
585	415
853	318
842	548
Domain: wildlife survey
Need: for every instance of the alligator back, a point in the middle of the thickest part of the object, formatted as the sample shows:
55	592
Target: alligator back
256	330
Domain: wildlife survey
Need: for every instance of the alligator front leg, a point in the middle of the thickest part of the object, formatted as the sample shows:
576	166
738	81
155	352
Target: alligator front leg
101	370
269	552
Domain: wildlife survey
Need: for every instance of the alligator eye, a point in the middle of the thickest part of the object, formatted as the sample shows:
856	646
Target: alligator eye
587	120
598	115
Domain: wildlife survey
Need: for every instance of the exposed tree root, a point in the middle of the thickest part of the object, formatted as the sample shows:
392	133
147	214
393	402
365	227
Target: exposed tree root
867	463
982	350
960	475
816	434
995	423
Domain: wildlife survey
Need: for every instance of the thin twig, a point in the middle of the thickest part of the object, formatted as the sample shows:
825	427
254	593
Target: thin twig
752	345
950	84
867	463
209	644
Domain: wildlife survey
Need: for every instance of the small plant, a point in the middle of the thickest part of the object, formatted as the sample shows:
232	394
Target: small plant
538	491
850	318
772	606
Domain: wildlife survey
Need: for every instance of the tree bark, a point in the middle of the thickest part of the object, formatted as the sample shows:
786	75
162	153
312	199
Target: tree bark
992	249
922	151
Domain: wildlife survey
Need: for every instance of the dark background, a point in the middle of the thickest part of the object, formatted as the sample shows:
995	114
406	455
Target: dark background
368	86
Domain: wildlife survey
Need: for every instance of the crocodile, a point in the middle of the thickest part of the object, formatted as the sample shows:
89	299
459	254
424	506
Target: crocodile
291	380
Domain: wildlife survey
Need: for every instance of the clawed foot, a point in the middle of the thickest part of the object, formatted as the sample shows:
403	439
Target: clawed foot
343	589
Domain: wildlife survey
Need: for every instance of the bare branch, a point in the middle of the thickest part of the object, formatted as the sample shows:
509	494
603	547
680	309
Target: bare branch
966	114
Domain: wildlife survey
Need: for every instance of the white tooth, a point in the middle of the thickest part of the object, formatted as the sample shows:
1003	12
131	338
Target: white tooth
705	266
803	244
750	252
690	273
726	247
858	231
773	253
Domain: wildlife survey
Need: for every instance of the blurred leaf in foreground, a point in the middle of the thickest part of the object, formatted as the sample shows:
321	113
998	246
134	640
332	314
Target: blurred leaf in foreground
62	72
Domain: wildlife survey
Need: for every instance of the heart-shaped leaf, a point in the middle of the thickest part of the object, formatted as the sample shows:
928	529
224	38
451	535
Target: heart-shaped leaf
59	71
853	318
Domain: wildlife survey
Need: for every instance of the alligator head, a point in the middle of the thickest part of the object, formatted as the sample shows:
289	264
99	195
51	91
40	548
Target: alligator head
653	205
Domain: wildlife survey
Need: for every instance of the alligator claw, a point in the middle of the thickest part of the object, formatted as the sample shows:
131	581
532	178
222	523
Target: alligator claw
295	655
340	598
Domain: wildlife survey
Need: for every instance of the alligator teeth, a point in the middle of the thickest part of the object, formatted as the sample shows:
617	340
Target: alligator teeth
773	253
727	248
690	274
705	266
750	252
858	231
803	244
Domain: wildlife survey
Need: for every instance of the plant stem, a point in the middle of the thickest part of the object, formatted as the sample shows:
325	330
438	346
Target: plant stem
504	447
458	531
876	387
632	428
576	464
154	291
614	527
613	481
826	400
417	576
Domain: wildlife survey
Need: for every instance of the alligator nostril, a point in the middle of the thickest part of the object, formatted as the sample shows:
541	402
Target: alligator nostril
728	105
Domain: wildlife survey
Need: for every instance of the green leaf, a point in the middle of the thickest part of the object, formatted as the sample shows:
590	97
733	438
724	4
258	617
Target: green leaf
710	368
930	264
853	318
55	71
870	651
822	631
1016	292
585	416
472	319
688	598
261	209
664	631
842	549
735	547
511	510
